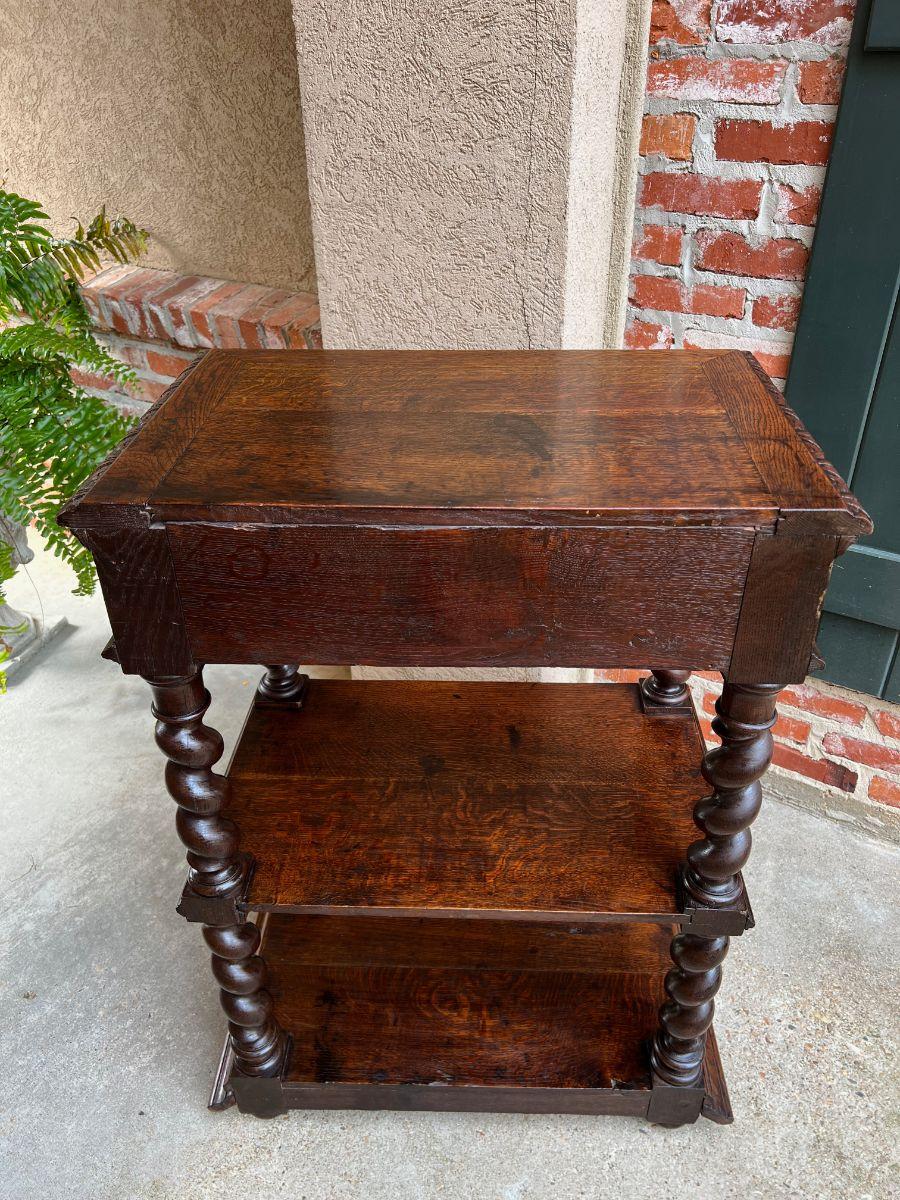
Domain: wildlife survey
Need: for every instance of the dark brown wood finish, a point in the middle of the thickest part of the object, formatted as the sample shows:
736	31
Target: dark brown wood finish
137	577
406	597
666	692
467	508
434	1015
494	944
711	877
471	509
607	437
471	799
783	595
783	451
685	1018
745	714
218	872
121	487
282	685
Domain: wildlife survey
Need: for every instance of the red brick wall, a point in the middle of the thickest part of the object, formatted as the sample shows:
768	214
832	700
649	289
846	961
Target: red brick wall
740	106
739	111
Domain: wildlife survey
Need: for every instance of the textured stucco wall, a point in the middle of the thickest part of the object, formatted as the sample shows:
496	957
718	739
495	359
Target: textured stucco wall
609	66
185	114
444	144
437	142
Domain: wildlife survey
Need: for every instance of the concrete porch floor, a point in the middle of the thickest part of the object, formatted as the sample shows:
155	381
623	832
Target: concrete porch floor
110	1030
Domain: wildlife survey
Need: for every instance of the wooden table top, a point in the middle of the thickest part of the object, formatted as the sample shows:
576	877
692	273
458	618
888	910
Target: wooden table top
472	437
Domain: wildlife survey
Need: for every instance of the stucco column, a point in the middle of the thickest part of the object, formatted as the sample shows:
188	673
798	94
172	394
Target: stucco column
471	168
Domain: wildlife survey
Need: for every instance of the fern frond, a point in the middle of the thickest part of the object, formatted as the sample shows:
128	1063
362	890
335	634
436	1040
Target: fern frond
7	570
119	237
31	343
52	433
38	268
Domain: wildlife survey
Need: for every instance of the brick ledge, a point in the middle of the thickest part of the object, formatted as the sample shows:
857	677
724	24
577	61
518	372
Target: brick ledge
157	320
197	312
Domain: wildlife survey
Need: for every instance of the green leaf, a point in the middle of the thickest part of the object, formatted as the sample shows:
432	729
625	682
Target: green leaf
53	434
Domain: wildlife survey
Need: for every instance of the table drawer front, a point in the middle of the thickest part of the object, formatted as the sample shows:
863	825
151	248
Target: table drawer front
463	597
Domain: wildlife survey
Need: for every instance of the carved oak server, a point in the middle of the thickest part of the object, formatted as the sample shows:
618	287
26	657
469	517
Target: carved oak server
466	895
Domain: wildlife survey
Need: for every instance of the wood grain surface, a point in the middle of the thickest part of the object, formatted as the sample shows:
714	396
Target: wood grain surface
137	577
534	508
401	1025
490	597
362	940
784	452
470	799
470	888
446	1016
129	475
783	596
604	436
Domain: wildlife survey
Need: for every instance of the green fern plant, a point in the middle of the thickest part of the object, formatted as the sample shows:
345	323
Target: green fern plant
52	432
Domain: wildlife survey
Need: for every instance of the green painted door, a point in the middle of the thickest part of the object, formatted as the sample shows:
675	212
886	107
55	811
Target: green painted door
845	371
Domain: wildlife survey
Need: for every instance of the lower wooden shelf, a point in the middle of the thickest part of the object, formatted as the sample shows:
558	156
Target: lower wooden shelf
459	1015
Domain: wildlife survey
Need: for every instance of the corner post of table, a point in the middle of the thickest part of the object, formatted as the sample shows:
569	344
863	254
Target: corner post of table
217	878
712	886
745	713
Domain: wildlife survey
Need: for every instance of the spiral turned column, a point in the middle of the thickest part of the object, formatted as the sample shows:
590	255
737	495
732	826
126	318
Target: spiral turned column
193	749
257	1039
217	870
680	1042
745	716
666	689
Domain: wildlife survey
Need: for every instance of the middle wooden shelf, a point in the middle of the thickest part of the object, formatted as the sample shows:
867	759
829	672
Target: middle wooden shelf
474	800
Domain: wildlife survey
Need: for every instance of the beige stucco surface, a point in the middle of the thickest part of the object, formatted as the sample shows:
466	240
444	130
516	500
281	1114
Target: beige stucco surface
184	114
464	161
606	110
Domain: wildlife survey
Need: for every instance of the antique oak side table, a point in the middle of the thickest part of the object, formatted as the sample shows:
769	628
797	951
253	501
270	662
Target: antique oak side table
487	896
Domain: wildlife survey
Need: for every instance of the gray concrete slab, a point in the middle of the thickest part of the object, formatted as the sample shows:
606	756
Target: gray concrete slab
109	1027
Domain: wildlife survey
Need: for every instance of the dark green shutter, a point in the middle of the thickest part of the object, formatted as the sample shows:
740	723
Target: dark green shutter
845	371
